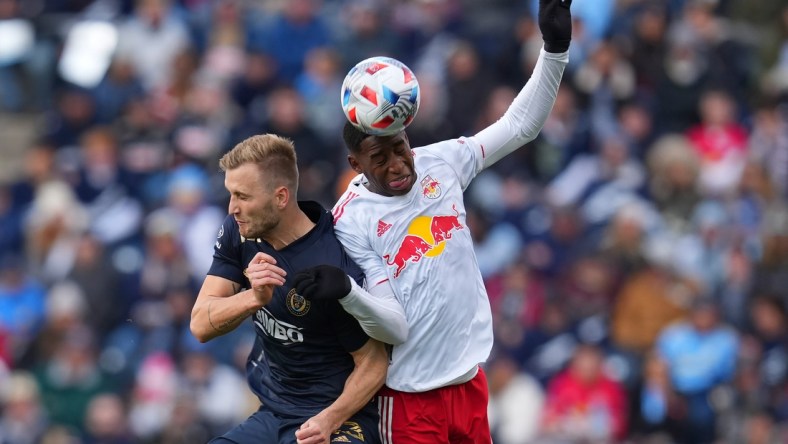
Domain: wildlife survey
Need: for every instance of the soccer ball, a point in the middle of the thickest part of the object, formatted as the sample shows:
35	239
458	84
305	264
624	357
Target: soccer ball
380	96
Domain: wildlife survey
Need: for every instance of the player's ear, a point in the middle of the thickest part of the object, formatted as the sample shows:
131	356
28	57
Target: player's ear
354	165
281	197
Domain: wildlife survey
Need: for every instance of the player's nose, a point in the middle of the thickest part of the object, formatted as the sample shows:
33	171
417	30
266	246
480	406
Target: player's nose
232	207
397	165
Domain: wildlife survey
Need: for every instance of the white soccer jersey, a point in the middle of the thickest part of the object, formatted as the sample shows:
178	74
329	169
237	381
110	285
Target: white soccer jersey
422	244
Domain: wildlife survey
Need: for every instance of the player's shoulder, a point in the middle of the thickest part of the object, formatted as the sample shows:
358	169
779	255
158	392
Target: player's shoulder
353	203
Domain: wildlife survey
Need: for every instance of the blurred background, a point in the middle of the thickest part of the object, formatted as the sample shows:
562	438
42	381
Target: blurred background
635	253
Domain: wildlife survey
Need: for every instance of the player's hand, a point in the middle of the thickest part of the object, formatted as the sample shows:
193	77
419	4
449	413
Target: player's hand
315	430
555	22
264	276
322	282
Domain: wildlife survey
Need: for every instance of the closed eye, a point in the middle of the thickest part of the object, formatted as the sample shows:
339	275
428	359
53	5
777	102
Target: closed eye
379	159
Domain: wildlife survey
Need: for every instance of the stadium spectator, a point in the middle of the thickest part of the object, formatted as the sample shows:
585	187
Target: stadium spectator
467	85
25	61
73	114
516	403
153	396
22	305
119	87
317	84
366	33
565	135
648	47
496	245
769	328
545	349
11	232
166	266
582	403
195	215
106	189
673	168
517	299
71	377
289	35
106	421
700	354
720	142
151	39
658	409
216	388
650	299
66	310
768	144
25	419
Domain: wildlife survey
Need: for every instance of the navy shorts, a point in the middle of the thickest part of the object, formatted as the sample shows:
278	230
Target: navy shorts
263	427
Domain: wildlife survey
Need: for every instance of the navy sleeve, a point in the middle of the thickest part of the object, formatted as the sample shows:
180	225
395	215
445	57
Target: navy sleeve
346	327
227	255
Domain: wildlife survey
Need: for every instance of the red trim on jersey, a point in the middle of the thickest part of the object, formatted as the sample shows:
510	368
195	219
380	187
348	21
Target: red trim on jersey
340	209
382	281
482	147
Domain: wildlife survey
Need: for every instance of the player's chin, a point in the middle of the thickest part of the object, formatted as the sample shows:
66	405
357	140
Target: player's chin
248	232
398	192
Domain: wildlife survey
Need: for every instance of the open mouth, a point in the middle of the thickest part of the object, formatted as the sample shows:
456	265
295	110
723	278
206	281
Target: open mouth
400	183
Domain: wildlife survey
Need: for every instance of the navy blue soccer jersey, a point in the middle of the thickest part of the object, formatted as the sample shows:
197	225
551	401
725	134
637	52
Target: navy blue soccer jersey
300	359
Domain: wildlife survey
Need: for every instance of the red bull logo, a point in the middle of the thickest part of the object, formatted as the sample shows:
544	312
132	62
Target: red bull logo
426	237
430	188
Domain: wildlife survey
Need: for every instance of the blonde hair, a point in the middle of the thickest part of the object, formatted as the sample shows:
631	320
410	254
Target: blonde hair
274	155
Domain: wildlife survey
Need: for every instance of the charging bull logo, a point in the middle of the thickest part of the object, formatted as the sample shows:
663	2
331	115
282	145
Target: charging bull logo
430	188
426	237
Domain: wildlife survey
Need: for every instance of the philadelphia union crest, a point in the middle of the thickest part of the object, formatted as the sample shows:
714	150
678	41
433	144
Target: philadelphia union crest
296	303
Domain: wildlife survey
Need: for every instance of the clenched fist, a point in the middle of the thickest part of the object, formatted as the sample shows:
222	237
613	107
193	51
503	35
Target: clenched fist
322	282
555	22
264	275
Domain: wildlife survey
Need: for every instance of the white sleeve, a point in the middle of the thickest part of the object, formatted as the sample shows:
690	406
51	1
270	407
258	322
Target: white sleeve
528	112
380	314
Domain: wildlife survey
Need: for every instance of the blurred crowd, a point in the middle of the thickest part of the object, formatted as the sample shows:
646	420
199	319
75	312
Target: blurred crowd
635	253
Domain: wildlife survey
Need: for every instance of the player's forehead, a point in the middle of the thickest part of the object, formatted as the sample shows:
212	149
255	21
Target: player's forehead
378	144
244	179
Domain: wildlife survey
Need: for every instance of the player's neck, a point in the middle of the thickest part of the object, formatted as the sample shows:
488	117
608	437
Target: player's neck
291	228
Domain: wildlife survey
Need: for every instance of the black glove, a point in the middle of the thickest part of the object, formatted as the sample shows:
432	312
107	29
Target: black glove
322	282
555	22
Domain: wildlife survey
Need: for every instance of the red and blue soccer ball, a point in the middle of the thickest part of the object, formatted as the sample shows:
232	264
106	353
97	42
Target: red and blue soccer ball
380	96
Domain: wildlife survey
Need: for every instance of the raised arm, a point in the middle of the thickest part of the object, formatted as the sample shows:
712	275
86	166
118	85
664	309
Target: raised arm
364	381
378	312
528	112
221	305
